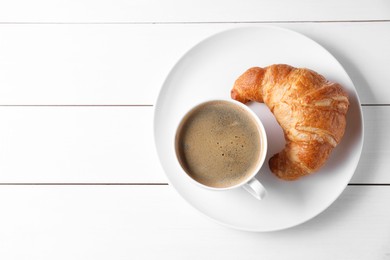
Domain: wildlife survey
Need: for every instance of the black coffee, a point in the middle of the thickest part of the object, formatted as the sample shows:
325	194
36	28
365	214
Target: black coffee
218	144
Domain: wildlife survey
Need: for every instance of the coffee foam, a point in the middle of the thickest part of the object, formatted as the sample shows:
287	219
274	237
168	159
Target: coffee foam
218	144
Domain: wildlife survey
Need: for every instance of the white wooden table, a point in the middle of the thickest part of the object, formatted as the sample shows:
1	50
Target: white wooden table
79	176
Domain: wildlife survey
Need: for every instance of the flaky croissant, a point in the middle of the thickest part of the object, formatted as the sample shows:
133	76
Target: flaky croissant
310	109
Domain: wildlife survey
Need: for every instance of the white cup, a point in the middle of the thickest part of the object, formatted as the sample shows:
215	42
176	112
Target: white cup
249	182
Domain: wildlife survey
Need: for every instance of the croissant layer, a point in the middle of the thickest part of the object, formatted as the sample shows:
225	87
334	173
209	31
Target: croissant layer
310	109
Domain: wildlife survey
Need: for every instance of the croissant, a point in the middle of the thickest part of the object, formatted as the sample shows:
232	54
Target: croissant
310	109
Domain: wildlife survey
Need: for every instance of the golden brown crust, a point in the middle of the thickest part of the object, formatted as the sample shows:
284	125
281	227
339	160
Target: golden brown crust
246	87
310	109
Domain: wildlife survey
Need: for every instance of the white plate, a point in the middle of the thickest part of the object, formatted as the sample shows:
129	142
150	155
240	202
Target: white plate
208	71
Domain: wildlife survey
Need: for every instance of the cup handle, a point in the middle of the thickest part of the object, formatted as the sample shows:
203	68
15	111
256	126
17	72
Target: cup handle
254	187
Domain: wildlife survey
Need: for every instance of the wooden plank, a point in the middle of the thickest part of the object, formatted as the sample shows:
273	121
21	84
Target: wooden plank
115	144
78	144
127	63
153	222
188	11
374	163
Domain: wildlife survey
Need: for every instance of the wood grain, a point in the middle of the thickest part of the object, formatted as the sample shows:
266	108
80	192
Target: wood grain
87	11
116	64
78	144
121	222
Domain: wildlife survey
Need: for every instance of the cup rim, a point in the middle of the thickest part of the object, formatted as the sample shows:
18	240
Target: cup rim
263	138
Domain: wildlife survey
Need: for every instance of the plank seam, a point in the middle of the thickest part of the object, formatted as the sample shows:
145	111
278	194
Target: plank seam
83	184
119	105
132	105
204	22
375	105
132	184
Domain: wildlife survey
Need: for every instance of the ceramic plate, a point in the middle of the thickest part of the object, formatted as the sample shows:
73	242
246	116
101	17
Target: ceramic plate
208	71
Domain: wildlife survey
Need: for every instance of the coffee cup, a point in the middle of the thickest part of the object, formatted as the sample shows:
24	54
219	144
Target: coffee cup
221	145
